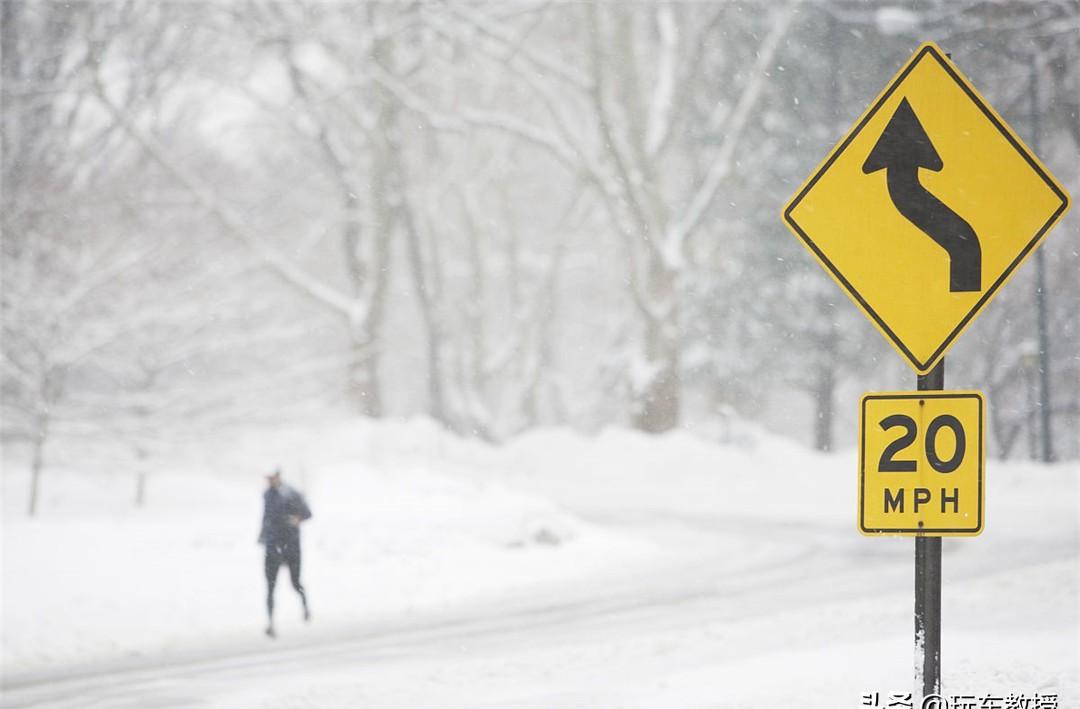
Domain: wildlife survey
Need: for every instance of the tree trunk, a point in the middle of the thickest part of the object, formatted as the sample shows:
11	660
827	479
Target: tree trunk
140	489
427	285
141	455
364	374
1006	433
823	408
436	398
1031	415
657	407
36	466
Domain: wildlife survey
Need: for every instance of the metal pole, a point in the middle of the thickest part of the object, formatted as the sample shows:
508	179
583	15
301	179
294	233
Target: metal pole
1040	292
1031	420
1044	359
928	585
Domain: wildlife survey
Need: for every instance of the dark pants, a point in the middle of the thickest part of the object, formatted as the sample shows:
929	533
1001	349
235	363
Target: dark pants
276	555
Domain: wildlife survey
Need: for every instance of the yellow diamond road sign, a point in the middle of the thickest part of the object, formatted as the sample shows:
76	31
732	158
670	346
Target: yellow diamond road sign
926	207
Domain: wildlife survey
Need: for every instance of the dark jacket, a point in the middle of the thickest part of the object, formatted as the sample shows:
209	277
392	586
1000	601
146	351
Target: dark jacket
278	504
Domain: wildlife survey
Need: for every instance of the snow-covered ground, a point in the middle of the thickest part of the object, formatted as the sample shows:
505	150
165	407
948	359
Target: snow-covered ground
556	570
95	578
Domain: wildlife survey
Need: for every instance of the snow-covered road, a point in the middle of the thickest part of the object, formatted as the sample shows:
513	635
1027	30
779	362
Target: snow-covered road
687	575
811	623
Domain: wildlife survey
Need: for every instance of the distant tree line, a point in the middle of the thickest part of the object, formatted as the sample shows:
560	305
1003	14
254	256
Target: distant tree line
498	215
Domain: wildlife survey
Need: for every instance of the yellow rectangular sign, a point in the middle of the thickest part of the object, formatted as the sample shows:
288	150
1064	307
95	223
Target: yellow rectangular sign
922	463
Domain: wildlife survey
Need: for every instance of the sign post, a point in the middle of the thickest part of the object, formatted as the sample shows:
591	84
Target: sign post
922	462
921	214
928	584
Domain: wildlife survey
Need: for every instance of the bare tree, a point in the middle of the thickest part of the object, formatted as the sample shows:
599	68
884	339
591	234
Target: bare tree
632	94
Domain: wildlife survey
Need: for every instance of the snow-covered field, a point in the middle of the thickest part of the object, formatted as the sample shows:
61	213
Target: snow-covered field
95	578
556	570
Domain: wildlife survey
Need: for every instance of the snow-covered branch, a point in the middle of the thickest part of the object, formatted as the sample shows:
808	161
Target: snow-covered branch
515	48
660	108
278	262
722	164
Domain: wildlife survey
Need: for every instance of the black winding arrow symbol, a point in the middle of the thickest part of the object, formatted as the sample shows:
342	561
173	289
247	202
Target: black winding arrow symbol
901	150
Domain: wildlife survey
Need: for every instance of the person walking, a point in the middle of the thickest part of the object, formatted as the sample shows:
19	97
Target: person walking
284	508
